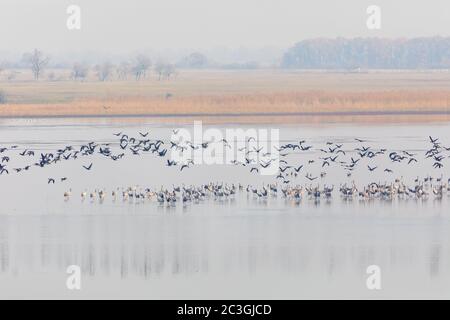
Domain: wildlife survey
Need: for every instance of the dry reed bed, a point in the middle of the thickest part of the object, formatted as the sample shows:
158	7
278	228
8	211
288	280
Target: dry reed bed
265	103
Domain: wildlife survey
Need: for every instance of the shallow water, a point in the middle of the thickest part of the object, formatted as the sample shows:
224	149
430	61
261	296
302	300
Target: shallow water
237	248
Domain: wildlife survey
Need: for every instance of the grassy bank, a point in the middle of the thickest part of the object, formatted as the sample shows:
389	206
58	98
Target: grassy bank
227	93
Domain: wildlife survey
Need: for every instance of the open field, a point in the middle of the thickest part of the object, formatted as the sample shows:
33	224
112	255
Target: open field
257	93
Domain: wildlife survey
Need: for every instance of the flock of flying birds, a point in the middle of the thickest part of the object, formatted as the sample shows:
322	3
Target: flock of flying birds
286	184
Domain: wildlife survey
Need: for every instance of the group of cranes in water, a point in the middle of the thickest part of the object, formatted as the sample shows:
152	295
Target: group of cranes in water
286	183
422	189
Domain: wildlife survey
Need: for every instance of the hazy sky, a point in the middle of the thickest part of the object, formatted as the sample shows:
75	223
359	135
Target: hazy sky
127	25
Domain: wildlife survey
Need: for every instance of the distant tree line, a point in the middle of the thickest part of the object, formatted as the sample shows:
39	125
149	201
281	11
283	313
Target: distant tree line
137	68
340	53
369	53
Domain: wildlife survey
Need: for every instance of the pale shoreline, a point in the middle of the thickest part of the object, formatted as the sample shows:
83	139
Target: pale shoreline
432	116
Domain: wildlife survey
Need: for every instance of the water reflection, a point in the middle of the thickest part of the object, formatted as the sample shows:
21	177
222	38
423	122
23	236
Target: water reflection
297	245
147	246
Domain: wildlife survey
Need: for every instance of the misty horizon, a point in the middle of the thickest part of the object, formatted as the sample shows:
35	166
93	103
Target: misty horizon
232	32
203	25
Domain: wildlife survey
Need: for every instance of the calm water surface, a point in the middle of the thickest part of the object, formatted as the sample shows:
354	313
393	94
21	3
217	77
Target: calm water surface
237	248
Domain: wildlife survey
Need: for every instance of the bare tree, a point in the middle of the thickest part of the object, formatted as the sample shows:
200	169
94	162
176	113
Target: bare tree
104	71
164	70
123	70
159	69
79	71
141	64
195	60
37	61
169	70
